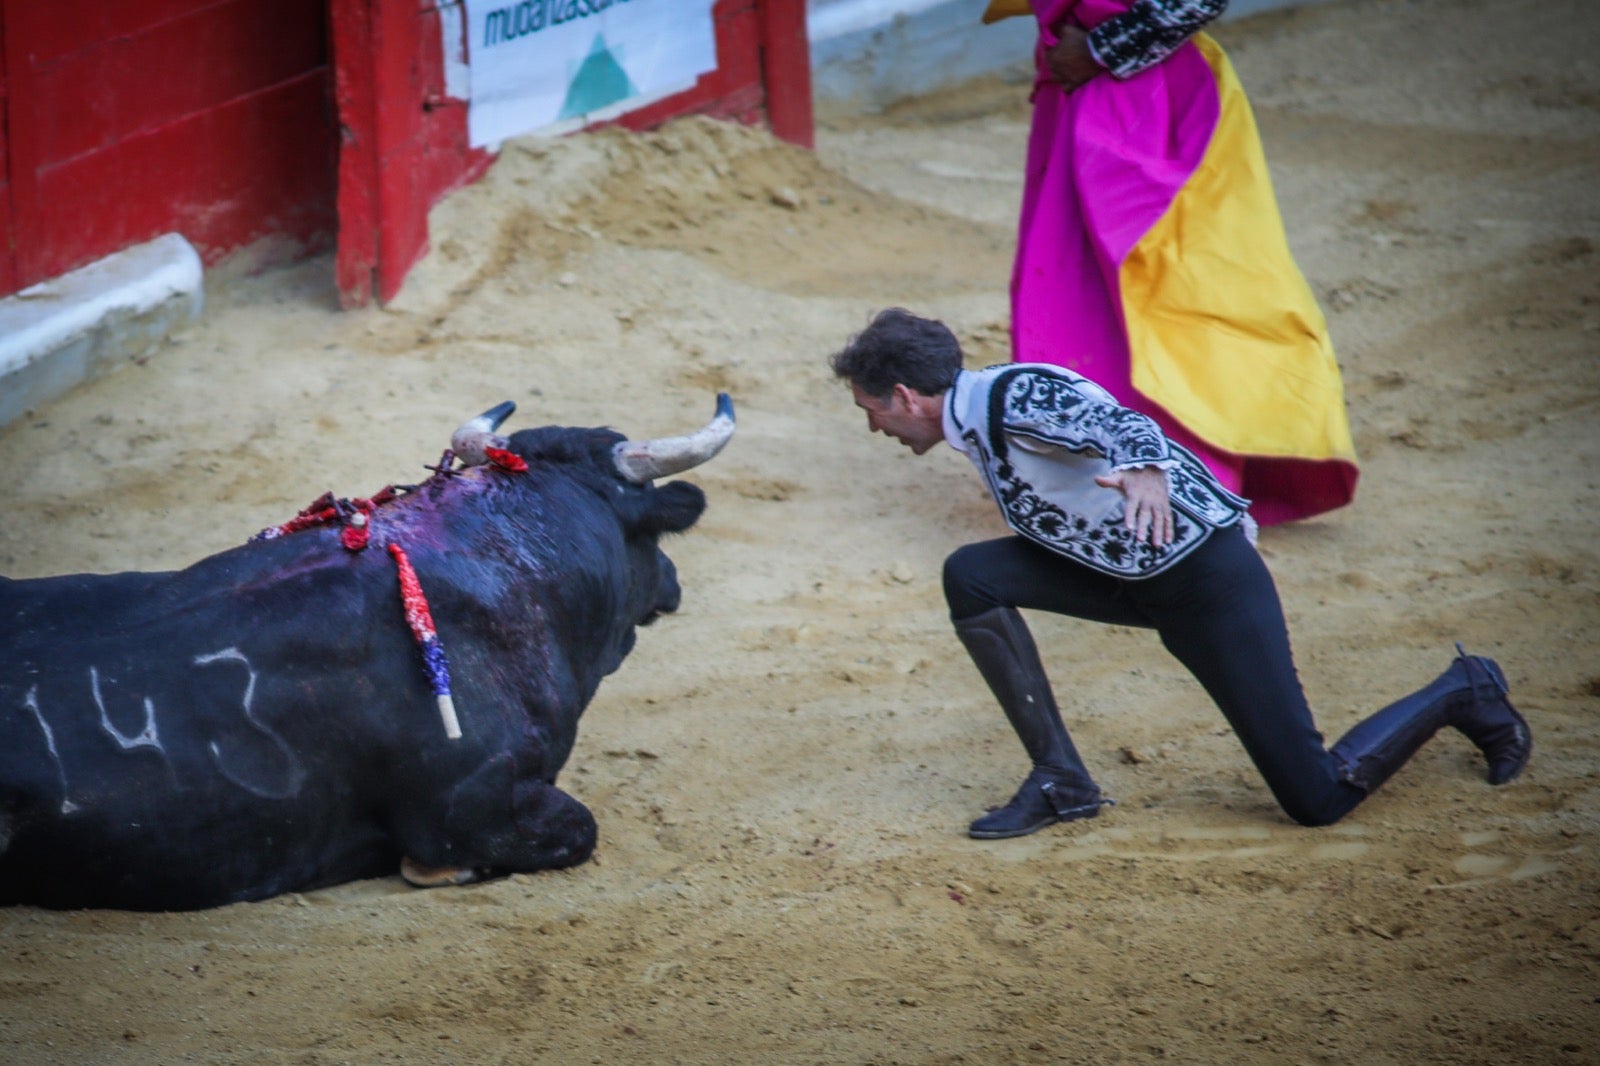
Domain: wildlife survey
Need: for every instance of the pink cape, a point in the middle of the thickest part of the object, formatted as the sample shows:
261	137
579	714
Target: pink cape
1151	259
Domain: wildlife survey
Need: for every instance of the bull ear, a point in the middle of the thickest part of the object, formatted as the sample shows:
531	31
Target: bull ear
672	508
476	435
644	460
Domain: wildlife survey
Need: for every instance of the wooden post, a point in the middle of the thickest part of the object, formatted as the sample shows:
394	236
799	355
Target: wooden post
354	90
786	70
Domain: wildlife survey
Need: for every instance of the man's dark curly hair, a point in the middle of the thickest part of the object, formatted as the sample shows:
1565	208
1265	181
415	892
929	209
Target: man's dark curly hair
898	347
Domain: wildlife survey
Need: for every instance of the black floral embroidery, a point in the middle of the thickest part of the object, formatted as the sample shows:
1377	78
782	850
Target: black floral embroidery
1049	407
1149	31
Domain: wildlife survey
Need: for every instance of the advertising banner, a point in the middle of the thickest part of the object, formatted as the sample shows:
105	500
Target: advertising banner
535	64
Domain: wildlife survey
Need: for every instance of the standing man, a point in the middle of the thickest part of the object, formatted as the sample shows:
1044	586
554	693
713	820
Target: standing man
1151	257
1113	522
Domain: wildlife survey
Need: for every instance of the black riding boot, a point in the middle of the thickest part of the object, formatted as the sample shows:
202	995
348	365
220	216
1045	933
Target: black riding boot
1059	789
1470	696
1487	718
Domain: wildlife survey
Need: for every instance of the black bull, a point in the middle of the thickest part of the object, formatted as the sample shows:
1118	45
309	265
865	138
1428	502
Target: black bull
262	721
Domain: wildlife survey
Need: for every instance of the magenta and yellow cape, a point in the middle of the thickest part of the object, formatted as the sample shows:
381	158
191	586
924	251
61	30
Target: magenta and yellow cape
1151	258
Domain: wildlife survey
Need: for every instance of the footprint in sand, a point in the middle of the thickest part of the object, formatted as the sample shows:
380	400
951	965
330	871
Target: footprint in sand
1486	860
1201	843
1481	867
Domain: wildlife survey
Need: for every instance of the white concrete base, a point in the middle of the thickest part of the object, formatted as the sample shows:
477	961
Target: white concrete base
871	53
65	331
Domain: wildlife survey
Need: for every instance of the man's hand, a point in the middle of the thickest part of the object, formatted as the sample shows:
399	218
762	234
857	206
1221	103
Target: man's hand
1147	502
1070	62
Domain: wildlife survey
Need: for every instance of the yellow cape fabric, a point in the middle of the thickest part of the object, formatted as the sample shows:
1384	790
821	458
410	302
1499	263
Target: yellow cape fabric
1223	330
1004	9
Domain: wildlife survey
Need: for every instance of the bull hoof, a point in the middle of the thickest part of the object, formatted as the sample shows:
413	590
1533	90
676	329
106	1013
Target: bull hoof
436	876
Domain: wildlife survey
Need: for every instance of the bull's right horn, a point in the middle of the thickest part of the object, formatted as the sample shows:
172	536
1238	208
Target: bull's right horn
644	460
476	435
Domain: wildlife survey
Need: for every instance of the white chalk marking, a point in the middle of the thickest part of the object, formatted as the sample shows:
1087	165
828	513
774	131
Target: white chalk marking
297	774
32	703
148	738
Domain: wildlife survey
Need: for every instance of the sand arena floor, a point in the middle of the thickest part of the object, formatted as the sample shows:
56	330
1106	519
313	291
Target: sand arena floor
783	772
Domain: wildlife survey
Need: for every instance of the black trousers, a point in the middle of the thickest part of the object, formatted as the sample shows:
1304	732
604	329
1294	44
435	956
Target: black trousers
1217	611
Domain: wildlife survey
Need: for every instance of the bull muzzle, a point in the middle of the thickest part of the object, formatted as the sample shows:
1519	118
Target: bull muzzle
644	460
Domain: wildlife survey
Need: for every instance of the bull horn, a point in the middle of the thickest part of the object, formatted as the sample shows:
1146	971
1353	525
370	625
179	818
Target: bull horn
643	460
477	434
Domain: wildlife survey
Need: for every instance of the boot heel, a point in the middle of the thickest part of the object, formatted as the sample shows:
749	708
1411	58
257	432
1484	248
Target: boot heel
1487	718
1042	800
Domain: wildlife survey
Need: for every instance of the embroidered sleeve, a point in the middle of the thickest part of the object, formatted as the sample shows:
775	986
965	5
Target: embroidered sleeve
1148	32
1052	410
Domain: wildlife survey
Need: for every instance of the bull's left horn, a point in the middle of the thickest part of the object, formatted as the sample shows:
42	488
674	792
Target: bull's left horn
477	434
643	460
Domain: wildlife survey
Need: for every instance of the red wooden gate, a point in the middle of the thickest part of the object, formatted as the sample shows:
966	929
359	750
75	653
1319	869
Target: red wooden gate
128	119
225	120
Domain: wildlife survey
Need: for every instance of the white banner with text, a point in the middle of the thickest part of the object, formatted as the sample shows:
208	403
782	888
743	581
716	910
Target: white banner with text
536	64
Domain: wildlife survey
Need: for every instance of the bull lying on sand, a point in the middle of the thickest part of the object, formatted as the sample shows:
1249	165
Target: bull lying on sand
263	721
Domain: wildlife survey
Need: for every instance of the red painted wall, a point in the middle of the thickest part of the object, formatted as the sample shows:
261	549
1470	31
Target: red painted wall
133	118
8	251
318	122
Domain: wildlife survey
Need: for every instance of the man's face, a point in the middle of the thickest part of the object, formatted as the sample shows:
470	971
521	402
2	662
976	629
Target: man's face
915	420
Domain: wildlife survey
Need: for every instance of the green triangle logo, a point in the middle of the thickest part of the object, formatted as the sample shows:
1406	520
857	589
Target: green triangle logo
599	82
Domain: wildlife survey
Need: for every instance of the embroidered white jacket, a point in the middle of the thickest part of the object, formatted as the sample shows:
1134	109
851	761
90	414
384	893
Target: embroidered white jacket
1040	434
